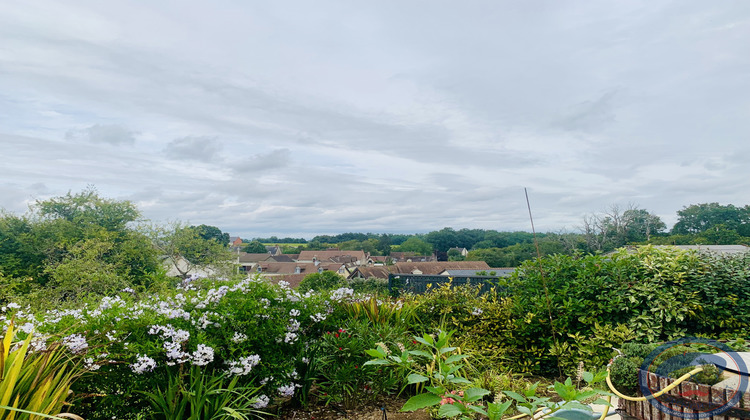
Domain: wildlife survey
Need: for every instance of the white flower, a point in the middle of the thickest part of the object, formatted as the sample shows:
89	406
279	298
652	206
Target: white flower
203	355
293	325
143	364
266	380
476	312
239	337
318	317
340	294
262	402
294	312
174	352
89	364
13	305
75	342
286	390
290	338
244	365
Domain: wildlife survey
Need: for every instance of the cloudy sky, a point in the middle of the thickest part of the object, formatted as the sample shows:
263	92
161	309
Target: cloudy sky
308	117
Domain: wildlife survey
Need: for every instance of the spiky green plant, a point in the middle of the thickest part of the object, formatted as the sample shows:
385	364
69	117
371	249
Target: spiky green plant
34	384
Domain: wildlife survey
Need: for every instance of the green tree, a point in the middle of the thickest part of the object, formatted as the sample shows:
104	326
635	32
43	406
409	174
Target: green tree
416	246
75	245
719	235
255	247
212	232
640	225
187	251
455	255
698	218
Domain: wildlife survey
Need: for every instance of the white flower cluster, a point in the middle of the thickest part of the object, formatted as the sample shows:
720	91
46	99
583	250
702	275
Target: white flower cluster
12	305
215	295
168	331
293	325
286	390
76	343
203	322
88	364
342	293
476	312
174	347
239	337
262	402
203	355
294	312
318	317
244	365
290	338
143	364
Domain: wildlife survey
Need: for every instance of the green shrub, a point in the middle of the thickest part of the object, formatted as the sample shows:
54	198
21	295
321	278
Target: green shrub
321	282
371	285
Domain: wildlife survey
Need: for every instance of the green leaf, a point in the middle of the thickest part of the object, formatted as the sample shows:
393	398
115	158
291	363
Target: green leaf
588	377
449	410
516	396
564	391
578	406
416	378
447	349
376	362
495	411
477	409
423	341
458	380
421	401
473	394
455	358
375	353
420	353
436	389
524	410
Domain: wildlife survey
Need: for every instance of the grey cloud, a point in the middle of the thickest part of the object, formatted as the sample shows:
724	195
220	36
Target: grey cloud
201	149
108	133
589	115
263	162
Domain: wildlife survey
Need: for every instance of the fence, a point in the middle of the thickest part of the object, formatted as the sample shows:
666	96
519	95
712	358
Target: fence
417	283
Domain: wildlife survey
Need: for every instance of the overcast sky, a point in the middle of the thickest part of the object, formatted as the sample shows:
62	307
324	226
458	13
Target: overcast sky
308	117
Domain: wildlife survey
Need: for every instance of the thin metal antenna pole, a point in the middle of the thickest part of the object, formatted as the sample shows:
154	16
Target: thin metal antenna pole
544	279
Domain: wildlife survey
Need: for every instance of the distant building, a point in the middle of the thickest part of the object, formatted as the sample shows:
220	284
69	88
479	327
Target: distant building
461	251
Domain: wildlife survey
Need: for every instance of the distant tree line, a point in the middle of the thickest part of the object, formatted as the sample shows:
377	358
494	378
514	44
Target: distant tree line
706	223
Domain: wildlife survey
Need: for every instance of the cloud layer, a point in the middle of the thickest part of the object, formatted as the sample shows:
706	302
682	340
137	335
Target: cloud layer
304	118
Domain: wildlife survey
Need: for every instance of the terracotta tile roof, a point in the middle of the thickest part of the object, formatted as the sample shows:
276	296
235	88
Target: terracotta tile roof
293	279
291	267
327	255
434	268
281	258
380	272
245	257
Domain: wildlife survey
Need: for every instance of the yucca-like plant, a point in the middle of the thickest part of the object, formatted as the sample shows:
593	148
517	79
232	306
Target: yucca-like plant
379	312
34	385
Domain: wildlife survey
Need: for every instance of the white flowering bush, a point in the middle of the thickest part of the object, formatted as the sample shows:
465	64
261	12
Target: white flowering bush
250	329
